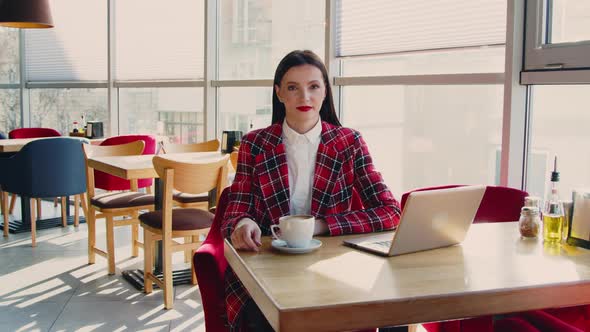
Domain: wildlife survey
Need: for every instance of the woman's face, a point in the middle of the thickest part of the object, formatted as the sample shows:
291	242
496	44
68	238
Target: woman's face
302	91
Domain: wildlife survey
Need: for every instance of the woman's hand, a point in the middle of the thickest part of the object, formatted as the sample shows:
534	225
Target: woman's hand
246	235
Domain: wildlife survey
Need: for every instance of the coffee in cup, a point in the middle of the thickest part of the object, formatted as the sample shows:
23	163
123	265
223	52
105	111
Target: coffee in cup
296	230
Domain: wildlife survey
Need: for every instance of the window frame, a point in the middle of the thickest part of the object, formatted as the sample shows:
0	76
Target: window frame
550	57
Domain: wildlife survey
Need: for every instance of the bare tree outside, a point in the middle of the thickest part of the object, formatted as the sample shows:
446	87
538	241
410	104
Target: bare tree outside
59	108
9	74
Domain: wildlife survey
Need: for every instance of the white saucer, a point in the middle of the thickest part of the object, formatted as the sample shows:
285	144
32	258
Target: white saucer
281	245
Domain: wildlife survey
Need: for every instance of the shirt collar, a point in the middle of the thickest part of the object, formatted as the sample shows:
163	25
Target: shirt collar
312	136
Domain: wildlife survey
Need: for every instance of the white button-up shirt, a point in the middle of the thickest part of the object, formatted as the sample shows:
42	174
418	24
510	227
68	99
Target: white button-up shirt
301	156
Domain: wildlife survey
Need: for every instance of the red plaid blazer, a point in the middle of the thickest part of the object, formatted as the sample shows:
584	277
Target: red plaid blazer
260	191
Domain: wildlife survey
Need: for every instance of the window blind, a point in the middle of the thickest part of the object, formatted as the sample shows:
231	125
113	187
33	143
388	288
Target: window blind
158	39
392	26
75	49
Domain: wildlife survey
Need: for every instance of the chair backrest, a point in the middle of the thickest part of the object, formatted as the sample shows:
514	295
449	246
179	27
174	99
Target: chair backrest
109	182
233	158
33	133
47	168
498	204
210	265
90	151
148	140
2	136
209	146
192	178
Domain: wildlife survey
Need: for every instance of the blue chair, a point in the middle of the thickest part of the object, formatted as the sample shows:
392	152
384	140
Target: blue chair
2	136
51	167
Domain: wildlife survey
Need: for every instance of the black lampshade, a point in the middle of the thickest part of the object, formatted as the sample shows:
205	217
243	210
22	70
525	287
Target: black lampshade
25	14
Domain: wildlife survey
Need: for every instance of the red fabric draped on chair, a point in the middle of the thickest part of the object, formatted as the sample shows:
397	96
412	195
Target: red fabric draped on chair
109	182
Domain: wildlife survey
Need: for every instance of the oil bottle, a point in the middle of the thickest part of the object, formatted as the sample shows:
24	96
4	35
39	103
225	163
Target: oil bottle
553	215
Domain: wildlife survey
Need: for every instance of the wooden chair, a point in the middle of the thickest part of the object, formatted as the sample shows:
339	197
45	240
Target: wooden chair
114	204
209	146
185	200
191	200
233	158
170	223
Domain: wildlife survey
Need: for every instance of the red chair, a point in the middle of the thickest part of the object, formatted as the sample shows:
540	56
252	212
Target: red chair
33	133
498	204
110	182
536	321
210	265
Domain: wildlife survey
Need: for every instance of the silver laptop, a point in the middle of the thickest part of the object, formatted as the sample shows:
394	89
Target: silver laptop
430	219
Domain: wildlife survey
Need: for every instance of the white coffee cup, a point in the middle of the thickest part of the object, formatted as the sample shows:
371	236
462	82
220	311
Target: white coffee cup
296	230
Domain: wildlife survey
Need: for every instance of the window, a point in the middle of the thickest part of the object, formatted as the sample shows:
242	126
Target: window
422	136
422	82
557	35
461	61
59	108
383	26
559	127
10	115
75	49
255	34
157	40
244	109
173	112
9	56
9	110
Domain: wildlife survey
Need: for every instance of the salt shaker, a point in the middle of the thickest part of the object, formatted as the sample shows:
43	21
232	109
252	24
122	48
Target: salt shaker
529	223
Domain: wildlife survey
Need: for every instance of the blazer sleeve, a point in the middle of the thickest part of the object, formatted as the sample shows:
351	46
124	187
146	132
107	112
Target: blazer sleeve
381	210
240	199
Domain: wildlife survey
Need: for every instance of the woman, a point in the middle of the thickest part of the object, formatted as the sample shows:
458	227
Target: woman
304	163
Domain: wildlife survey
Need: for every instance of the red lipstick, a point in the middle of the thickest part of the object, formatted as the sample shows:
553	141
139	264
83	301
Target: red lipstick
304	108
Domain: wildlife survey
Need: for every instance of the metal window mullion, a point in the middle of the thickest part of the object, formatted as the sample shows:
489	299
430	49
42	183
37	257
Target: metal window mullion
210	106
159	84
333	64
66	85
439	79
117	118
515	112
554	77
240	83
25	109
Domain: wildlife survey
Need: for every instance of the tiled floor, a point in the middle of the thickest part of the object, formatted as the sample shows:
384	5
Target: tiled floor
52	288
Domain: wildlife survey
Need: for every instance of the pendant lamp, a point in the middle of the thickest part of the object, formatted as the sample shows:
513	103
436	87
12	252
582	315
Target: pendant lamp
25	14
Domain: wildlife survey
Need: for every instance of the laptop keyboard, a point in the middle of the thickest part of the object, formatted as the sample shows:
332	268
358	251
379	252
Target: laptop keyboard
385	244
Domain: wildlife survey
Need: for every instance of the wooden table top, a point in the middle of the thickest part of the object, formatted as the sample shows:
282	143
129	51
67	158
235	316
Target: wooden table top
141	167
338	288
16	144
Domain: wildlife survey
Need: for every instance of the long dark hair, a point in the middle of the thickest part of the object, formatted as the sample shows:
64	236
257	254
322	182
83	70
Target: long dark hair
299	58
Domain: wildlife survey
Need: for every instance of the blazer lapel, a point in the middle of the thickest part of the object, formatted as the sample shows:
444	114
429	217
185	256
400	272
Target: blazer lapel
328	164
273	175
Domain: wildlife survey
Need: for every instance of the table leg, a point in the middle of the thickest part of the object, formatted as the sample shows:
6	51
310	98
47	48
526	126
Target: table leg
179	277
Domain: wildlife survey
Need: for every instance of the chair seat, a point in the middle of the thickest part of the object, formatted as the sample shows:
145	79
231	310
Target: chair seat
189	198
122	200
182	219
